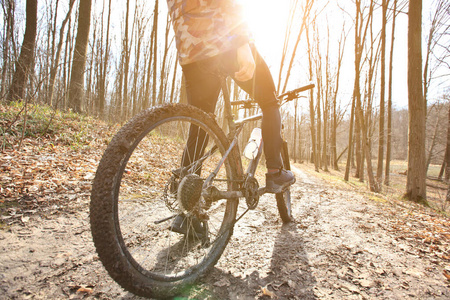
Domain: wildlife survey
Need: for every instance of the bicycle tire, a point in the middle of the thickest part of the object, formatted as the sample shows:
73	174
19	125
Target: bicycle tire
134	179
284	198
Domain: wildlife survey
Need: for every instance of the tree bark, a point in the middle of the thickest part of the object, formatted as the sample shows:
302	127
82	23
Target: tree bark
104	61
447	152
55	60
335	92
416	175
389	106
8	41
76	86
382	94
25	63
155	51
311	107
126	65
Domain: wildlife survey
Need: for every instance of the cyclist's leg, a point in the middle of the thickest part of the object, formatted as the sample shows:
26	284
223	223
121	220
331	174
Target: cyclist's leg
262	88
202	89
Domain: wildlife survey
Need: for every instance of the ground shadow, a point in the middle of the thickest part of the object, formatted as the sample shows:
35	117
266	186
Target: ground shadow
290	275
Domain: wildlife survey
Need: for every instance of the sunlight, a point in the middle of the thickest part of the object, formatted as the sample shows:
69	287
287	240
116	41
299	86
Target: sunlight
267	20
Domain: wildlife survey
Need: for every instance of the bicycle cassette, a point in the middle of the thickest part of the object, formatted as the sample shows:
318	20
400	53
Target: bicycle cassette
189	192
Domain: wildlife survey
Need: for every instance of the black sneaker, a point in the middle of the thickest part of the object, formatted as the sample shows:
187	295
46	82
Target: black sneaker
278	181
189	226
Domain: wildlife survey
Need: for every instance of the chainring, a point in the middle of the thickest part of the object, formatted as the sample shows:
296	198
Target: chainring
251	194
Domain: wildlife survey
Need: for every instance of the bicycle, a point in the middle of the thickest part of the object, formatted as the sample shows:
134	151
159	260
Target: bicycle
142	185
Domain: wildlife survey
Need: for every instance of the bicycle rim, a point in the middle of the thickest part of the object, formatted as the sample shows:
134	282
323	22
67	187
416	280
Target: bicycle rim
156	260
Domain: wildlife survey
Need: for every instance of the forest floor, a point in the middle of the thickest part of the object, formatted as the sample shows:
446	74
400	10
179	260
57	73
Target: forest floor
345	243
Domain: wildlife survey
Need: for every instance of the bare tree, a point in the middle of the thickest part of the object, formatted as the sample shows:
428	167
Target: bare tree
389	106
384	16
25	63
360	36
103	63
8	7
447	154
304	13
312	107
76	88
335	116
439	27
416	175
155	50
57	56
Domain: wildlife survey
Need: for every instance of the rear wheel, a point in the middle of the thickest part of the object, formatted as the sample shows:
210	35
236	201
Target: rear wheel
284	198
135	201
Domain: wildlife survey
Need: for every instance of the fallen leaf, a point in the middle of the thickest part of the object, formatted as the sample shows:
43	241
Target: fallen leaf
85	290
447	274
414	272
266	292
349	286
366	283
222	282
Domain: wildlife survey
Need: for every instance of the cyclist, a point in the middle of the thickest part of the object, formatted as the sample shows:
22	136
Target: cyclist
212	38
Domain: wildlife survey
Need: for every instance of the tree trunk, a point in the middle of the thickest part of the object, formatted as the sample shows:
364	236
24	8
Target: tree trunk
8	41
55	60
389	108
433	141
126	65
295	130
447	151
104	68
416	175
76	86
305	16
350	140
24	64
335	92
155	50
382	93
164	66
311	107
174	81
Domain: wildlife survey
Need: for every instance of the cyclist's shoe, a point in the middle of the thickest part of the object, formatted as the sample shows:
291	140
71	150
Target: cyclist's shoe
277	182
189	226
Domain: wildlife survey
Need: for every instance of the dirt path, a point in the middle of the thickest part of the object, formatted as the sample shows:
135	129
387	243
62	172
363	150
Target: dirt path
342	245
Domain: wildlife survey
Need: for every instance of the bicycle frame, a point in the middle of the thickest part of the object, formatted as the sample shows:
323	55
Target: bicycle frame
210	192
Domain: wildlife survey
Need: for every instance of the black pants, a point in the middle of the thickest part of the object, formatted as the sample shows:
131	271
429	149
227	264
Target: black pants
203	86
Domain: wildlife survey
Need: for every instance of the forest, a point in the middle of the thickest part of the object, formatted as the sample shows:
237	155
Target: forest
379	97
369	147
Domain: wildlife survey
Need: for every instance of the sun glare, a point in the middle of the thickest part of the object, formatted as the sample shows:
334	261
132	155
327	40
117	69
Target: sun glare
267	20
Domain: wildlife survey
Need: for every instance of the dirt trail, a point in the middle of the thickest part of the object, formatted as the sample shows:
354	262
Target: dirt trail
342	246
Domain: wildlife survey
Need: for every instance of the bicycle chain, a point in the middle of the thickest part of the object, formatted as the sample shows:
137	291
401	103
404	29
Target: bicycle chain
169	195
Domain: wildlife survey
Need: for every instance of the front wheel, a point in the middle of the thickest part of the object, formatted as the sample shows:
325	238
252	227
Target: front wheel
284	198
157	155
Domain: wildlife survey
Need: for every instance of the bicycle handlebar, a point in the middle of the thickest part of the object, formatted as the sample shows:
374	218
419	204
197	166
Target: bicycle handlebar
291	95
294	93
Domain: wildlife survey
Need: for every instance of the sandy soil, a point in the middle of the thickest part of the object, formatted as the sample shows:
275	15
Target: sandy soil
344	244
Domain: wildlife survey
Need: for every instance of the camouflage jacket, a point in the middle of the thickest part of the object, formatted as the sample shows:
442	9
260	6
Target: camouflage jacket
205	28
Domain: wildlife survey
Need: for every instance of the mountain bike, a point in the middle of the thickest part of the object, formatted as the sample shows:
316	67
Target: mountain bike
167	162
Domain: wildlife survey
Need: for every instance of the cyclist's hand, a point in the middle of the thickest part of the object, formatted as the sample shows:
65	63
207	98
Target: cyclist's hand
246	63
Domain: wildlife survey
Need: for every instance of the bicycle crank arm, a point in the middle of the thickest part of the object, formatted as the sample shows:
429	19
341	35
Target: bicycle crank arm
212	194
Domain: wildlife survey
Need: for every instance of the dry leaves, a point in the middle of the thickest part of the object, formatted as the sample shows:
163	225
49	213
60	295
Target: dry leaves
267	292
